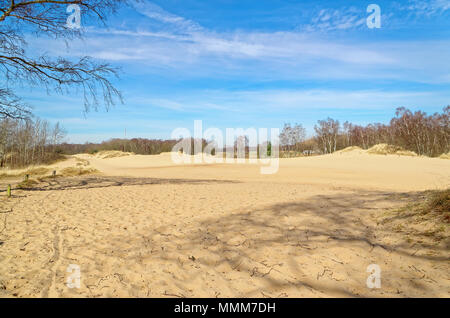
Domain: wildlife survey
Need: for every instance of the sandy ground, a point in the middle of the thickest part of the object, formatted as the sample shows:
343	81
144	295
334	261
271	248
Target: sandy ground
147	228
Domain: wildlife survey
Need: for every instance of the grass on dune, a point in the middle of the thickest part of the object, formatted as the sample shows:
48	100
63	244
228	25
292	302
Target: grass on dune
79	171
42	172
445	155
38	171
27	184
385	149
436	204
439	202
425	221
108	154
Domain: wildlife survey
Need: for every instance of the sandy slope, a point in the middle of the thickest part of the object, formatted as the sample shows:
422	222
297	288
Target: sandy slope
147	227
351	169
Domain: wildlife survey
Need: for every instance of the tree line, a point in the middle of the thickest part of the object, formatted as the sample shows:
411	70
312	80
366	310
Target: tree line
25	142
141	146
424	134
34	141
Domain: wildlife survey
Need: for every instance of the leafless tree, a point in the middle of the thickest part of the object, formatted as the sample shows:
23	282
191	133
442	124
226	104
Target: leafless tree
327	132
241	146
27	141
48	19
285	136
416	131
426	135
12	106
291	137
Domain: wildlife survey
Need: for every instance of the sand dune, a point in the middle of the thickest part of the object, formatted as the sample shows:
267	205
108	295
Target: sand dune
353	169
145	227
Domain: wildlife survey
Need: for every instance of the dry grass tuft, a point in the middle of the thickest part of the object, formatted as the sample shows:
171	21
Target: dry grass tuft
436	204
81	162
445	155
113	154
27	184
426	221
37	171
72	171
385	149
439	201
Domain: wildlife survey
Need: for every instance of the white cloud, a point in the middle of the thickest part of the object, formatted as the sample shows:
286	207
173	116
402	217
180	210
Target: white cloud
282	55
284	47
154	11
333	19
427	7
186	48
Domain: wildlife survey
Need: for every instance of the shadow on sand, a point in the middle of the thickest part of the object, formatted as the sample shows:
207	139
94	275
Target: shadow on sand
90	182
321	245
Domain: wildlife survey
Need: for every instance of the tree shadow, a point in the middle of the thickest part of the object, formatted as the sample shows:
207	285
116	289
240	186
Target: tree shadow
91	182
316	245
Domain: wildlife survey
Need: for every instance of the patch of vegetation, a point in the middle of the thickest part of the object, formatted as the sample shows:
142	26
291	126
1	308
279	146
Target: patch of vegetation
445	155
434	204
37	171
385	149
426	221
72	171
6	175
27	184
439	202
113	154
81	162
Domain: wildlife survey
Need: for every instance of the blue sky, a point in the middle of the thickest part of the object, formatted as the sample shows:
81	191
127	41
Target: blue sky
259	63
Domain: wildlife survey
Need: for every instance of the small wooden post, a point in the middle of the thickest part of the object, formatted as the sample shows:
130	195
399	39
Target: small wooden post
8	191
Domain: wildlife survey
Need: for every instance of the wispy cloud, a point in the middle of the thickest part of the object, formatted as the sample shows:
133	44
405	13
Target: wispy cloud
336	19
153	11
427	7
188	48
269	55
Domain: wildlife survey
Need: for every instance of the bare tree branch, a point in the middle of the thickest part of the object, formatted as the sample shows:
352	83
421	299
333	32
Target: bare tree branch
48	18
12	107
